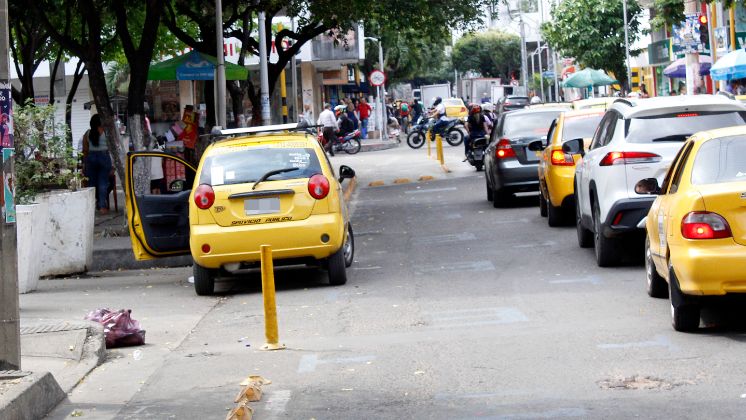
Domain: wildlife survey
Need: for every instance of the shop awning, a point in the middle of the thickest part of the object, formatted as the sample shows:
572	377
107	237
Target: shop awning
194	66
730	66
677	69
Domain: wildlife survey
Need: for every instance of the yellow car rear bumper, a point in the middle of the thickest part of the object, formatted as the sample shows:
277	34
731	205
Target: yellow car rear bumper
294	239
711	267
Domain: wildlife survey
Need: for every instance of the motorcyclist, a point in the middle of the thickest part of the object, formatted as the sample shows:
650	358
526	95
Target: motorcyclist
476	126
438	112
488	110
346	125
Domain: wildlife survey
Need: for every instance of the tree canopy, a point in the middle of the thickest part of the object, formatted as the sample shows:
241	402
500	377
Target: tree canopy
492	54
592	31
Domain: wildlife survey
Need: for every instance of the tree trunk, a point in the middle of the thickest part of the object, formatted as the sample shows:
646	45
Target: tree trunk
210	103
237	95
77	77
97	81
142	168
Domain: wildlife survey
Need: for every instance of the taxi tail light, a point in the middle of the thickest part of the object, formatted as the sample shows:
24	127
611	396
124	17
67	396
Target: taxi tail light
318	186
705	225
504	149
463	109
204	196
629	158
560	158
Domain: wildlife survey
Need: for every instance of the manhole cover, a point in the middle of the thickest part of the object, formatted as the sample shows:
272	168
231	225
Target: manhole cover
641	382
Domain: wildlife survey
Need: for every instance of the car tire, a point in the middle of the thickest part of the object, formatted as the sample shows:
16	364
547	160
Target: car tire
605	248
657	286
685	309
204	280
585	236
479	166
349	247
337	271
555	216
542	204
499	198
490	193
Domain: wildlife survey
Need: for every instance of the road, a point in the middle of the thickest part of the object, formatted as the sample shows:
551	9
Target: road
452	310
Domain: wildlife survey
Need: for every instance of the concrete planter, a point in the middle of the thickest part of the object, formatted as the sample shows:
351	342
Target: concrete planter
67	245
30	234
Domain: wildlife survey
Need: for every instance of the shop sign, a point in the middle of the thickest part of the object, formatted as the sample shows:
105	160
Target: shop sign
659	52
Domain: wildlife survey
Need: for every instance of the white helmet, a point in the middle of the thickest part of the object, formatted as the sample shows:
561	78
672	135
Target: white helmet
535	100
488	107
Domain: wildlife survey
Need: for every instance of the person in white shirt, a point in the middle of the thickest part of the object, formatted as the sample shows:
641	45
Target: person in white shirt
329	123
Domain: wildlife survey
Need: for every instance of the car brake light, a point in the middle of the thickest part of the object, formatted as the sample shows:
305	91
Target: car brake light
507	103
560	158
463	109
629	158
504	149
705	225
204	196
318	186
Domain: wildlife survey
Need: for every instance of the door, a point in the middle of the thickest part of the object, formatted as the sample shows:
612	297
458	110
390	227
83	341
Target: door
158	207
585	171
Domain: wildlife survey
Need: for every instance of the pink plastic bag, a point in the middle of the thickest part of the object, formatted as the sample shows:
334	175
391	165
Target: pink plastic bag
120	330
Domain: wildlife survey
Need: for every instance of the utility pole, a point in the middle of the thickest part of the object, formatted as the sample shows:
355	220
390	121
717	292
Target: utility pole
10	332
524	70
692	58
541	71
263	76
381	89
626	46
220	69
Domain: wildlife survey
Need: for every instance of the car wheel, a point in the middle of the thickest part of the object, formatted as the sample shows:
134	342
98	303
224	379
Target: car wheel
585	236
684	308
204	280
479	166
657	286
606	252
349	247
336	267
542	204
489	189
555	215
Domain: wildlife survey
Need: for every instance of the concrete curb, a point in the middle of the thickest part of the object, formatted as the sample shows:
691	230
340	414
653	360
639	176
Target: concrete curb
33	397
372	147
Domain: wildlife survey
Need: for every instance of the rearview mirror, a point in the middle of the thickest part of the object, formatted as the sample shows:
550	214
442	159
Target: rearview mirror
536	146
345	172
648	186
574	147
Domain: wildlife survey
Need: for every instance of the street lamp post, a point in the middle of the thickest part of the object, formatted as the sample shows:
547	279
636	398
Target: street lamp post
264	78
626	46
380	89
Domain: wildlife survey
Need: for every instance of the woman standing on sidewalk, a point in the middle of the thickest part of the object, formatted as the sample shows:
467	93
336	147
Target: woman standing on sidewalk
97	162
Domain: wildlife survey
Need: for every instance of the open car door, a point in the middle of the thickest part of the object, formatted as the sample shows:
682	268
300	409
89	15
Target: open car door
157	189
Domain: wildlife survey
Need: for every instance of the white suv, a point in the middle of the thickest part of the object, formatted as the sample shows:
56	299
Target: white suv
636	139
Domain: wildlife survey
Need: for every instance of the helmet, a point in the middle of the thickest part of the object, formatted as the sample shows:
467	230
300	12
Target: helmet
340	108
488	107
437	101
535	100
476	109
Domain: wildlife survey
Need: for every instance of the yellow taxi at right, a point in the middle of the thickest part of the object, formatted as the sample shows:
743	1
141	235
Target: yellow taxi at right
696	228
557	168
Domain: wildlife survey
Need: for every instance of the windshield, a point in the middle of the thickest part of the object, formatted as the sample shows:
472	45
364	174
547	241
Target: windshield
229	166
580	126
516	100
528	124
679	126
720	160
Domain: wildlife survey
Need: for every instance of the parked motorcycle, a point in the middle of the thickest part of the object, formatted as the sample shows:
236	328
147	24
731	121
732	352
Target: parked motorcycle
454	134
475	157
349	143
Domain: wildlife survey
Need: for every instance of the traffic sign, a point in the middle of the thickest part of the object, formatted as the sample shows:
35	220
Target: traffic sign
377	78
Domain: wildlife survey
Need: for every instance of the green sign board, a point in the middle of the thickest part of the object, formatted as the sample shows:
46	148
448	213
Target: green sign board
660	52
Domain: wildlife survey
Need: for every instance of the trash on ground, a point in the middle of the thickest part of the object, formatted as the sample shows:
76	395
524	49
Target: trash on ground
120	330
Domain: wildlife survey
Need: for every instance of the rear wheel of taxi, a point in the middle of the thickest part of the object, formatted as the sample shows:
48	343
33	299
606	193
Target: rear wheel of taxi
685	309
353	146
349	247
555	216
337	270
204	280
657	286
606	249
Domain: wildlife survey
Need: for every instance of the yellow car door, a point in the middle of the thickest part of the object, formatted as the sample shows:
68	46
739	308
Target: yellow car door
157	189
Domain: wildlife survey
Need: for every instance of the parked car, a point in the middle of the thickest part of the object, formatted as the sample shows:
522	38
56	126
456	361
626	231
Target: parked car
557	168
508	164
511	103
637	138
270	186
696	227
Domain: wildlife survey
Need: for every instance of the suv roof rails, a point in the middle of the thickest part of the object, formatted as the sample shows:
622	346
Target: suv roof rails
727	94
625	101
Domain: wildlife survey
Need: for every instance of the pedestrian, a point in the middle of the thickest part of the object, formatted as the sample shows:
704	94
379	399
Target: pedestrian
644	92
416	110
97	162
351	114
363	110
329	127
404	113
307	114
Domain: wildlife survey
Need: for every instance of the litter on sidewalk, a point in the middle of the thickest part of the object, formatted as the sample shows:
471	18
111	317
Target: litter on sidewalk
120	330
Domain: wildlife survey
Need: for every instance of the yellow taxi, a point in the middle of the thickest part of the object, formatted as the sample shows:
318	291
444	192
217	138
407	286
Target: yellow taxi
268	186
696	228
557	168
455	108
601	103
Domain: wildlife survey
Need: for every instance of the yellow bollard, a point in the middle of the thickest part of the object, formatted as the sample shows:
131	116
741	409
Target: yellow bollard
427	139
439	148
270	306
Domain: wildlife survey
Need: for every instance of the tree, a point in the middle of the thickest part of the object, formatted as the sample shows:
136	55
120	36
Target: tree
492	54
592	31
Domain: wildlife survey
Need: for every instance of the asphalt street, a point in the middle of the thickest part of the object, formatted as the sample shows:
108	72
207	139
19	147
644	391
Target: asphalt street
453	309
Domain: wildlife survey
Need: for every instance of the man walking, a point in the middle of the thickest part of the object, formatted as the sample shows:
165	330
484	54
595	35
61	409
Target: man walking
329	122
363	110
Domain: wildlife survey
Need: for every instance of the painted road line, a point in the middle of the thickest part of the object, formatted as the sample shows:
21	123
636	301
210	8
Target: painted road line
452	216
430	190
475	266
590	279
441	239
657	341
309	362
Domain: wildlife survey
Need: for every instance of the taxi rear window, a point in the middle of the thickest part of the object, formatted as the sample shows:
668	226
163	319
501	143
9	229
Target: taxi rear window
246	165
720	160
581	126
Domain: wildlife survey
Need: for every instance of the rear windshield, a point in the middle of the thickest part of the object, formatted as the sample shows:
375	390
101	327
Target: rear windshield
248	164
580	126
453	102
679	126
528	124
720	160
517	100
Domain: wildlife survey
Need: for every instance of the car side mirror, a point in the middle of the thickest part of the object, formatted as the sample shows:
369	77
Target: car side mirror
574	147
648	186
536	146
345	172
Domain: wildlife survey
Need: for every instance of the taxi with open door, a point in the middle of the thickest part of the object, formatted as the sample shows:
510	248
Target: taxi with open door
266	186
696	227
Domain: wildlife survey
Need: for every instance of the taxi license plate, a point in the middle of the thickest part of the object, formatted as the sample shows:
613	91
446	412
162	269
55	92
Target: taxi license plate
255	206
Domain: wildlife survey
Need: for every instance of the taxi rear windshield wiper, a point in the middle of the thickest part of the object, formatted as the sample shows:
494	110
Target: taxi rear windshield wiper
272	173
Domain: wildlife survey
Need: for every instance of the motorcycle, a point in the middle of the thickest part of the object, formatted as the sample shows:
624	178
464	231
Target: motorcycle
476	154
453	132
349	143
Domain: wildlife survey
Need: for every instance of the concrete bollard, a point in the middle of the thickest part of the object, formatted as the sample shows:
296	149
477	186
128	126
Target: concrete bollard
270	306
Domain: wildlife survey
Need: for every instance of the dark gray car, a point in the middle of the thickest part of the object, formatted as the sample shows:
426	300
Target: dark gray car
509	166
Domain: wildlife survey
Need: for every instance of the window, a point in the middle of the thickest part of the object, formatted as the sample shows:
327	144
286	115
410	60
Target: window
249	163
671	169
676	178
580	127
679	126
720	160
528	124
601	130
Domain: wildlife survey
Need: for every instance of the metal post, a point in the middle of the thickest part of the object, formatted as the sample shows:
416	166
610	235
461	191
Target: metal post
732	18
524	76
692	59
220	69
712	23
556	76
283	88
626	46
10	333
263	76
294	81
541	74
385	117
270	305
